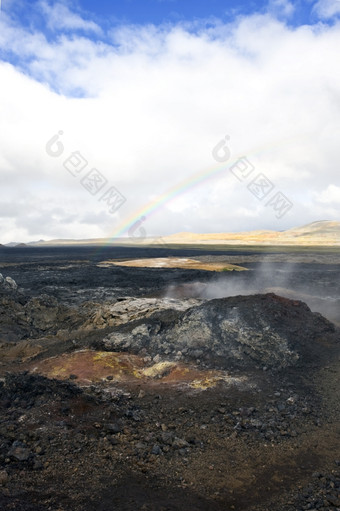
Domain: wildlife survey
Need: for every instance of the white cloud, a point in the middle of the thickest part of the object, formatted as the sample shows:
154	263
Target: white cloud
58	17
282	8
327	9
331	195
156	100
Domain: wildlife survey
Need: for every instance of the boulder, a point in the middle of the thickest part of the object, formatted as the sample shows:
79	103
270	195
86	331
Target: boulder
7	284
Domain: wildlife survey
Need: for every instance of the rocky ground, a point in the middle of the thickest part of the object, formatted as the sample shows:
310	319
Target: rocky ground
122	397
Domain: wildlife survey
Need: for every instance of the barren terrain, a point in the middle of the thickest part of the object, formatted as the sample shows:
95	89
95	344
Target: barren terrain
164	388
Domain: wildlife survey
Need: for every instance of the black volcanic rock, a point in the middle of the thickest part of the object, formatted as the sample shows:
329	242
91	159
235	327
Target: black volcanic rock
26	318
236	332
22	317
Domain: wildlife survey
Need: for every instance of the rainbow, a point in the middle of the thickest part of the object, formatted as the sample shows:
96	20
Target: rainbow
172	193
142	214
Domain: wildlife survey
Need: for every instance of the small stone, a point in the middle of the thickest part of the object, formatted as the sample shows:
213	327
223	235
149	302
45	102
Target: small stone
156	450
141	394
167	437
140	445
3	477
192	440
73	377
246	412
333	500
113	428
134	415
110	377
19	452
179	443
38	465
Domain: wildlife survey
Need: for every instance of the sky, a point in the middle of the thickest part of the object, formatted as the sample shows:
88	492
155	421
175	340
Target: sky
150	117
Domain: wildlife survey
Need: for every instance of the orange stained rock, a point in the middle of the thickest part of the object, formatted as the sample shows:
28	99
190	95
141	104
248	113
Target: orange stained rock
94	366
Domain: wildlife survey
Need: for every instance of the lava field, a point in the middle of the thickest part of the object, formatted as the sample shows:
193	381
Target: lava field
127	387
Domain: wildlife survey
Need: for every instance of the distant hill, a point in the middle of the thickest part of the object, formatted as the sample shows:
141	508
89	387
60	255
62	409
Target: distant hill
320	233
323	232
320	229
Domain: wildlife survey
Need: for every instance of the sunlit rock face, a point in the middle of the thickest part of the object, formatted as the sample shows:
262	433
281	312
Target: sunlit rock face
129	309
236	332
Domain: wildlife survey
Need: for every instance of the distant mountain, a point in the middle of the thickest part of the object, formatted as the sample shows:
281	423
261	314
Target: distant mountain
16	244
71	242
36	242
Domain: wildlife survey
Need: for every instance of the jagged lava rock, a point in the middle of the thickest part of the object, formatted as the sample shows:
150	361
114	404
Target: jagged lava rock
22	316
